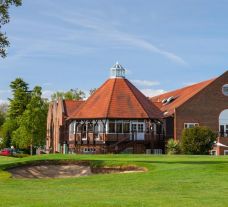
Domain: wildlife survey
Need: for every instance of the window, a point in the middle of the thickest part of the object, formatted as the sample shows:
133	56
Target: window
225	89
119	127
126	127
111	127
190	125
90	127
72	128
134	127
140	128
225	152
101	127
95	128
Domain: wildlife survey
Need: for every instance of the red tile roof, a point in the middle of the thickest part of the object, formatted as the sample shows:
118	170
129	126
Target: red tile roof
117	98
180	97
71	106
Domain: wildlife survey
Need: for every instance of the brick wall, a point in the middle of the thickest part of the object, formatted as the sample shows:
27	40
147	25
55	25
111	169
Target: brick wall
203	108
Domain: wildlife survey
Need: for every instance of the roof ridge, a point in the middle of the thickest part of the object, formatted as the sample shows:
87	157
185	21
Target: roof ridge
89	98
210	81
178	89
109	104
130	86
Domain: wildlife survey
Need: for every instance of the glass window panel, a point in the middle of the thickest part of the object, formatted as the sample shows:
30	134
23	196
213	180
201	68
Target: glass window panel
191	125
111	127
126	127
79	128
72	128
101	127
90	127
140	128
119	127
96	128
134	127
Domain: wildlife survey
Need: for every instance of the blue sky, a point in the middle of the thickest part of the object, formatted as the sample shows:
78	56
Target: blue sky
164	45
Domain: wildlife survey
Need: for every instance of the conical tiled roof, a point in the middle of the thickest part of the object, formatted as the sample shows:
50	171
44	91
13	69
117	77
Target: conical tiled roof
117	98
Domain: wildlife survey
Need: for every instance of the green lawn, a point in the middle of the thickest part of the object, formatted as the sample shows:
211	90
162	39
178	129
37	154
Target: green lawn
170	181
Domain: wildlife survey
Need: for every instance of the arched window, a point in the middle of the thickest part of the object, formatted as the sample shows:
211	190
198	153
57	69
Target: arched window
225	89
223	123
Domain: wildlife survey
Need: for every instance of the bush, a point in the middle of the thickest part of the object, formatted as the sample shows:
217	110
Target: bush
173	147
197	140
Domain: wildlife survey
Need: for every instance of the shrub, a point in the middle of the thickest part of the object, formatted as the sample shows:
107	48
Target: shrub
173	147
197	140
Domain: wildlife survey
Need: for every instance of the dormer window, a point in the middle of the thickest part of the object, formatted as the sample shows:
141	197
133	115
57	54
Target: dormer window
117	71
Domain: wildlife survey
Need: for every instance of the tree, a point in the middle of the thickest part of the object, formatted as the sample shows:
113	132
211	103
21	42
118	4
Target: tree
72	94
21	97
7	130
32	123
197	140
17	105
5	18
3	110
173	147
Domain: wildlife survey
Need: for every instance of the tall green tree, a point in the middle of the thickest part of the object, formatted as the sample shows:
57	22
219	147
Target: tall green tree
5	18
72	94
17	105
7	129
3	110
21	97
32	123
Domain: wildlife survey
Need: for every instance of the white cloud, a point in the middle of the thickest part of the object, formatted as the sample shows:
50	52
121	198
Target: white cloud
47	94
5	91
85	31
2	101
152	92
146	82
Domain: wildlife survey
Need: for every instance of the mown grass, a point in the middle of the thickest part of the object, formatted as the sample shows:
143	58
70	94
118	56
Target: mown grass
169	181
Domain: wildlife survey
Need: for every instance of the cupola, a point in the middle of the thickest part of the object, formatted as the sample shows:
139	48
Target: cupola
117	71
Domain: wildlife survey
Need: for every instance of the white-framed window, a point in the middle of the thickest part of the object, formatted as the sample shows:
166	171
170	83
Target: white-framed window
126	127
72	127
225	89
111	127
140	127
225	152
119	126
190	125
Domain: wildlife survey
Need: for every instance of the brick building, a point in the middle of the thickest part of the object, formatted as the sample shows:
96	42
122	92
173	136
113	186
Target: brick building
201	104
118	117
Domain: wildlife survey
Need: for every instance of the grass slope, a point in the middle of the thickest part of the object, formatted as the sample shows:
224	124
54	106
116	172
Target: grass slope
170	181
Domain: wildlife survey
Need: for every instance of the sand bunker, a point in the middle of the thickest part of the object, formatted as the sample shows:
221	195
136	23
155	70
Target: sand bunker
64	170
50	171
